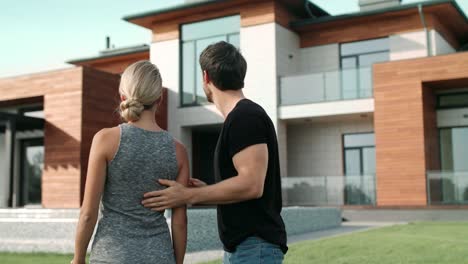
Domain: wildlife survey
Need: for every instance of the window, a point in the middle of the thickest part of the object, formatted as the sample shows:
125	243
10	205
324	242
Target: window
195	38
356	60
359	167
32	163
359	150
454	148
453	100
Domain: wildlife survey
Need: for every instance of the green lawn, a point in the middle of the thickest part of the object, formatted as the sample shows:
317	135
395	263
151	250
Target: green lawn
419	243
34	258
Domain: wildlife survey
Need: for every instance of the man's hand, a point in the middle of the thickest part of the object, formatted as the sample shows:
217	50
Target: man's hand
173	196
196	183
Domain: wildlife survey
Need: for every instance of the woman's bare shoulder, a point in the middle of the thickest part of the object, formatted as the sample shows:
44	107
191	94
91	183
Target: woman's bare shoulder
108	134
108	140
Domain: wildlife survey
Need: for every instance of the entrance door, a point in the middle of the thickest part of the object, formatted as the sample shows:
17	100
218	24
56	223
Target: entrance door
204	140
32	163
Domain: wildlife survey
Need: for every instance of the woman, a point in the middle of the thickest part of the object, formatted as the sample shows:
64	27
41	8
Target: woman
125	162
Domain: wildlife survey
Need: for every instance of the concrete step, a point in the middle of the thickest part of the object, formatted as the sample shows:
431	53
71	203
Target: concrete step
39	213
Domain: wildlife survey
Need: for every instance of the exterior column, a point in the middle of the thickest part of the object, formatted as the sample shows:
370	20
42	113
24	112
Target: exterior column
10	134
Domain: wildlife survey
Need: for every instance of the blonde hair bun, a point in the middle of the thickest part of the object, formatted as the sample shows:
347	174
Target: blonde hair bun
131	109
141	85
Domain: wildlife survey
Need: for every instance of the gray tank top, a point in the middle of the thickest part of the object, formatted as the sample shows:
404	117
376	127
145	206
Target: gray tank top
127	231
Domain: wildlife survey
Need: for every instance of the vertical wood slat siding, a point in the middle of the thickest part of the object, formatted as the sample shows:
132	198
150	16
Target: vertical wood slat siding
405	123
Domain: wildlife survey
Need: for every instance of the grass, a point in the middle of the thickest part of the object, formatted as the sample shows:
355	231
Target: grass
418	243
34	258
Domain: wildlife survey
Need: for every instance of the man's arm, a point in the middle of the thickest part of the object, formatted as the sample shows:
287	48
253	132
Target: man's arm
251	164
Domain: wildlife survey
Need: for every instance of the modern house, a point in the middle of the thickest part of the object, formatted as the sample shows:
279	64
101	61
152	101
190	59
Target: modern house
47	121
370	108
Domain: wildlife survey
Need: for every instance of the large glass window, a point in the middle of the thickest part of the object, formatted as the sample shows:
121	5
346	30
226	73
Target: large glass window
451	185
195	38
356	60
454	149
359	166
32	163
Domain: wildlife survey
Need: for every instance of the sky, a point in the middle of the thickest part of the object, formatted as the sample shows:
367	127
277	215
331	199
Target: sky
40	35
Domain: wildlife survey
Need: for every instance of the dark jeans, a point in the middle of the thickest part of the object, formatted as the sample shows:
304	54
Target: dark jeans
255	250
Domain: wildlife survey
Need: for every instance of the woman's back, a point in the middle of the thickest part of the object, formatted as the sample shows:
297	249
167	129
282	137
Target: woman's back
127	231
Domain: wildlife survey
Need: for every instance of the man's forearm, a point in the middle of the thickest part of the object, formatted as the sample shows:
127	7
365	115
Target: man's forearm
232	190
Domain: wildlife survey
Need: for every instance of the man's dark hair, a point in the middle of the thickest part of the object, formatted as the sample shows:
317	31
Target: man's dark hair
225	65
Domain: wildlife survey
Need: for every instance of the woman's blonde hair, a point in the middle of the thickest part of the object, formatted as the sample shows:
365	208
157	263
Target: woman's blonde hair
141	85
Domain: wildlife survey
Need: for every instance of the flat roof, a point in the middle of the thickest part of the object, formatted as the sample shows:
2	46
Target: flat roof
325	19
115	52
178	7
295	5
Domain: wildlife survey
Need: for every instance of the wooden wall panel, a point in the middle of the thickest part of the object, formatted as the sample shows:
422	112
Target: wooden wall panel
348	31
405	122
61	93
443	17
100	104
161	112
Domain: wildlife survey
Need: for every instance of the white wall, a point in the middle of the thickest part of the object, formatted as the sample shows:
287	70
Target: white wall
439	45
304	81
288	59
258	46
408	45
414	45
315	148
319	59
321	109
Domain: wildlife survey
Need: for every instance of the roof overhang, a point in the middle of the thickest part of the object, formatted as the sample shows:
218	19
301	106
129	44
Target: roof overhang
300	24
113	55
300	8
22	123
442	14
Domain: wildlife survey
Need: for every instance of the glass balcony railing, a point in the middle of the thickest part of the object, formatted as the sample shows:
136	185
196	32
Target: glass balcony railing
329	190
344	84
447	188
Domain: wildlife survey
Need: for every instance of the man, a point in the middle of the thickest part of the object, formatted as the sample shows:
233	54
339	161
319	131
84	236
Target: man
247	172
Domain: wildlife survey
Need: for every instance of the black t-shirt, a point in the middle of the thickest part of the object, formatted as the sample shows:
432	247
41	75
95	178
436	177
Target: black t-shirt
246	125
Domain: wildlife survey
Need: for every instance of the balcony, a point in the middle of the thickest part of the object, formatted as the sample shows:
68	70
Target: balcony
344	84
329	190
447	188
